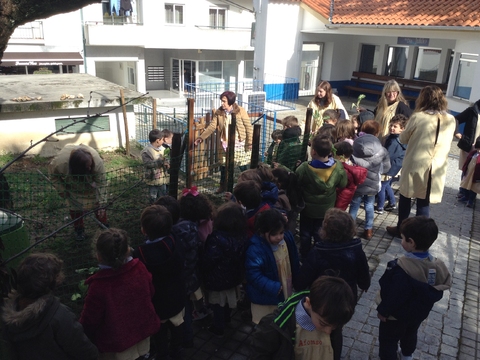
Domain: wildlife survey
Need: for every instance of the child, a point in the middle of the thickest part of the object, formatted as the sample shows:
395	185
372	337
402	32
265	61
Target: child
318	180
331	116
162	256
35	323
409	288
193	228
222	263
287	184
355	122
122	286
300	328
328	130
339	252
369	153
396	151
271	263
289	121
156	164
470	184
248	195
346	131
271	152
290	152
356	175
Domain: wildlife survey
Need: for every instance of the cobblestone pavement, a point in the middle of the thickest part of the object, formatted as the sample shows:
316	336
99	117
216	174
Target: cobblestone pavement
451	330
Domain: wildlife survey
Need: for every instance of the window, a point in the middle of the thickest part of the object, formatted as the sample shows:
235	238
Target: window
369	59
173	14
396	61
91	124
131	75
121	13
428	62
217	18
210	71
248	71
465	72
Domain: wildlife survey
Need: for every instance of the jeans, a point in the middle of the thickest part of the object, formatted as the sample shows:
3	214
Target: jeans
405	205
308	227
393	331
386	193
368	200
156	191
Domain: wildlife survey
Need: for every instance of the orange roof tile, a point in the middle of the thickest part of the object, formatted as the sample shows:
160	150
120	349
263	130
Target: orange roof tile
401	12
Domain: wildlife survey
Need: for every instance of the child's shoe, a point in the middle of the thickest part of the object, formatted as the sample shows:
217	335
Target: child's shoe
200	314
463	199
390	207
378	211
470	204
216	331
80	234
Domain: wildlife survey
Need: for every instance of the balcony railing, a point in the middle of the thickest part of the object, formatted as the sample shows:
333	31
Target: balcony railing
32	30
218	27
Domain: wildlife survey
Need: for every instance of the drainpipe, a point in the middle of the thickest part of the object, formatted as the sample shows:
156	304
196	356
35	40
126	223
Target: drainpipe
84	41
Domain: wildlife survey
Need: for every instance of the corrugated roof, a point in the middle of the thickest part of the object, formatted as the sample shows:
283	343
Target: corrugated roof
405	12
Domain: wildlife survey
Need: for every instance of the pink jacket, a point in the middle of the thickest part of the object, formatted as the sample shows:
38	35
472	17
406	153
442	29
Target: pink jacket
118	311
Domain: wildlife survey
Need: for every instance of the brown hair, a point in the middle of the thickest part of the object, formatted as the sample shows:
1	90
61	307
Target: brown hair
230	95
156	222
39	274
322	145
370	127
112	246
431	98
399	119
345	130
79	161
338	226
328	130
231	219
250	174
325	85
289	121
248	193
423	230
332	298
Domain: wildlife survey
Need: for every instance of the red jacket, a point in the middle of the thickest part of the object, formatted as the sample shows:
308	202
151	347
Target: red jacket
118	311
356	175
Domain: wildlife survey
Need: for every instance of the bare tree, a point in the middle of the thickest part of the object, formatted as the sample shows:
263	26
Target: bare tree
14	13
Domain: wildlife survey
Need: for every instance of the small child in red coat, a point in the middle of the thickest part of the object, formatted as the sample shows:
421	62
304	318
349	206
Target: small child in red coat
356	175
121	291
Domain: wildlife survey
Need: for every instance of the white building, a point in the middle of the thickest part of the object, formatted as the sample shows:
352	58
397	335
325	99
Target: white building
157	45
312	40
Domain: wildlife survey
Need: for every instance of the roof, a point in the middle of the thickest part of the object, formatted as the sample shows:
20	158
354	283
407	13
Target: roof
48	92
463	13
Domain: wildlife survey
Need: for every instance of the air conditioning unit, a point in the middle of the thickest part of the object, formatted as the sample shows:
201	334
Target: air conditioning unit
254	101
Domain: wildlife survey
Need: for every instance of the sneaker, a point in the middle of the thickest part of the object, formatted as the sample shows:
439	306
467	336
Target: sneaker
470	204
379	211
200	314
390	207
463	199
216	331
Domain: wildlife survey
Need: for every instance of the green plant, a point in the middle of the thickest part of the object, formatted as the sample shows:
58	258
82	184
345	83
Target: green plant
81	285
359	99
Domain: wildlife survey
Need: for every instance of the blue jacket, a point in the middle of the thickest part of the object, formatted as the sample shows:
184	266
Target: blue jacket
345	260
396	151
263	283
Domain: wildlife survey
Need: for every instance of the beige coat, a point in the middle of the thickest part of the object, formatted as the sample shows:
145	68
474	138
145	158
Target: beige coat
423	155
319	110
79	194
243	133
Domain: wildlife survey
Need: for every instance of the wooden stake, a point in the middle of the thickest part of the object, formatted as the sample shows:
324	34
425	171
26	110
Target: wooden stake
125	121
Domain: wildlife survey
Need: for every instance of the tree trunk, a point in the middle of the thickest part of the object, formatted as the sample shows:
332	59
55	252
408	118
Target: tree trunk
14	13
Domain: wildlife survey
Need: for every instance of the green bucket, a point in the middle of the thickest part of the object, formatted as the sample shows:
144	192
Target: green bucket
14	237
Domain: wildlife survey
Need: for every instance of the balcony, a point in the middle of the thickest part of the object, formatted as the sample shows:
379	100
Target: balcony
29	33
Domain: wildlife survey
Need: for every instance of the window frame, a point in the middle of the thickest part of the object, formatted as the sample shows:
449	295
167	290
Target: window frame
216	25
175	20
467	59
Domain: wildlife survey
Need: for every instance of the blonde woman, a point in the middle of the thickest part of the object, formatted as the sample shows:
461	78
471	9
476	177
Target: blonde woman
324	100
391	103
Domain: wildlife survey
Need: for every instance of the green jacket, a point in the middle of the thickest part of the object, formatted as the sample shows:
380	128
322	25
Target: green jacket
319	187
289	152
274	336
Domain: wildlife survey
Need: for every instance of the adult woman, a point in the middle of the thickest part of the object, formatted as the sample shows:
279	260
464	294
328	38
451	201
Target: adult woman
469	117
428	134
243	132
390	104
324	100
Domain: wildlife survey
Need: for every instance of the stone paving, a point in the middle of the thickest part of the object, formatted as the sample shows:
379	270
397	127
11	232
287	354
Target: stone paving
451	330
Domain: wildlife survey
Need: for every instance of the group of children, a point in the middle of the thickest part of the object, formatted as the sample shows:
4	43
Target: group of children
143	300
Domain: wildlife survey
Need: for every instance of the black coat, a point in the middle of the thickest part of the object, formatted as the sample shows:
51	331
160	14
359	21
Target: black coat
46	329
345	260
222	263
164	259
469	117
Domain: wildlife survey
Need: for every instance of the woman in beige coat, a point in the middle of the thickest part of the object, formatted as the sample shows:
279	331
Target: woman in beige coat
243	133
429	134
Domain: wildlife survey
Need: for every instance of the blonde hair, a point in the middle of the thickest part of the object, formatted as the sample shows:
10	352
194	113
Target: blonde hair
390	86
